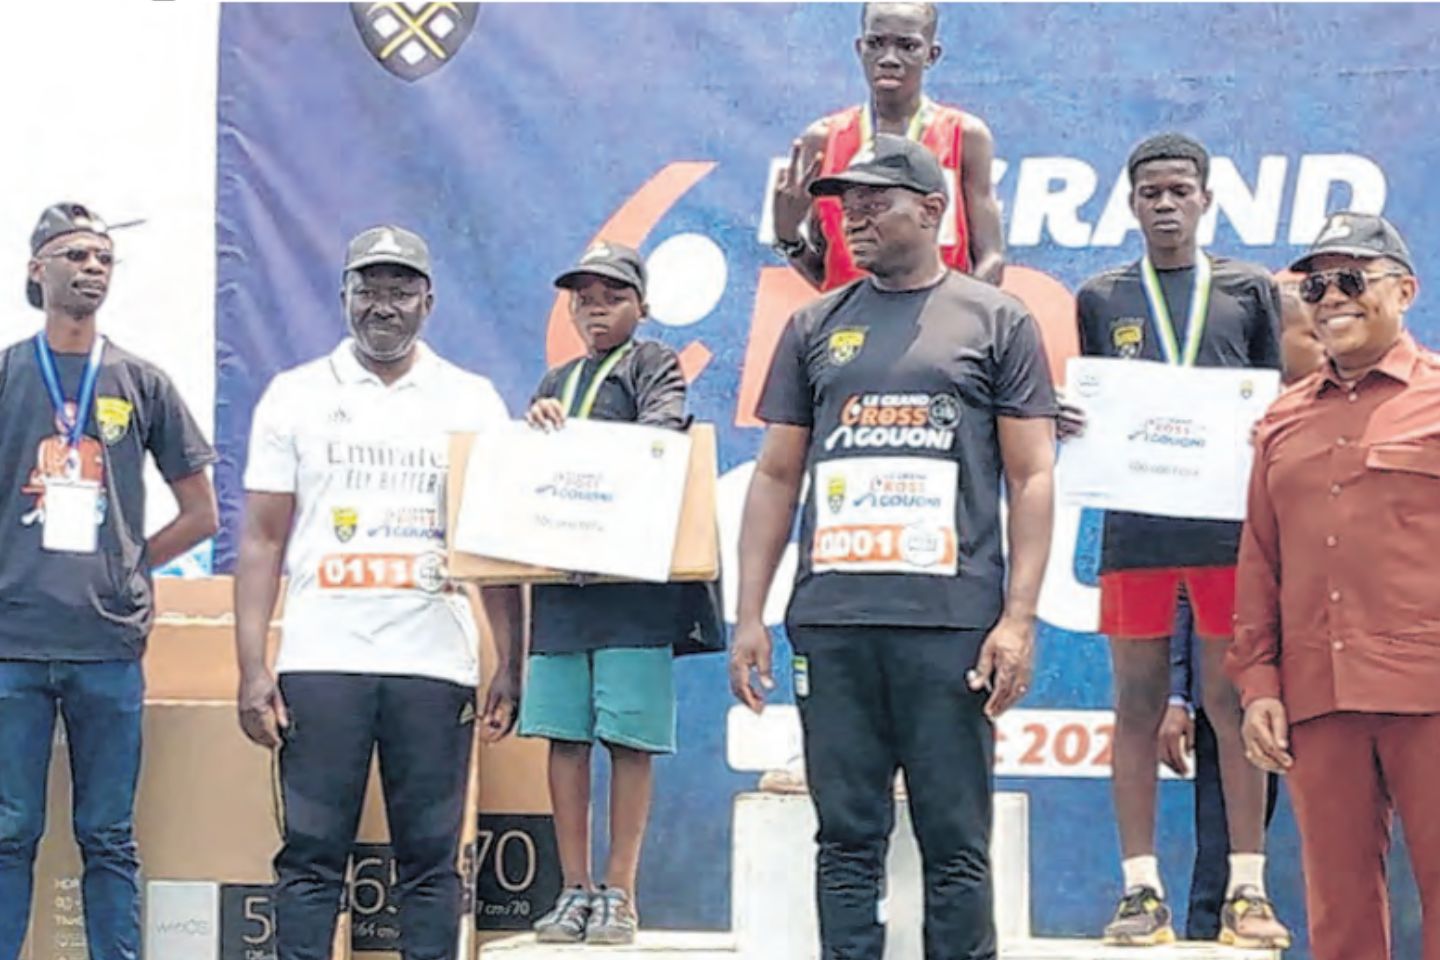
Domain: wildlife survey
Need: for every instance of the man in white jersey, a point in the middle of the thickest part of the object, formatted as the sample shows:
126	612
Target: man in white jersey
346	483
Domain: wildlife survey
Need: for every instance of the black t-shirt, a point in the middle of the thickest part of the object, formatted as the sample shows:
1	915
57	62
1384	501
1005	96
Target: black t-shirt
1242	329
69	606
901	392
645	386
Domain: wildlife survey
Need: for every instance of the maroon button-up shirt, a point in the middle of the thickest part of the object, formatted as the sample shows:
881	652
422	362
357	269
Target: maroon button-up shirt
1338	587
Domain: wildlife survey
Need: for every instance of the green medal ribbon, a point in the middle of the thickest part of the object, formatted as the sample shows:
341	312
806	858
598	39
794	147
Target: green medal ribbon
572	382
912	132
1160	311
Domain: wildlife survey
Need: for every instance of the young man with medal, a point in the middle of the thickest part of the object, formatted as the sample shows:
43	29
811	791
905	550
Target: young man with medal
78	415
896	47
909	398
345	489
1180	306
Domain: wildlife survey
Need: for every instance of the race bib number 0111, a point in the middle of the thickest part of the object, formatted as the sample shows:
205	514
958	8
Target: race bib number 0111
885	515
382	571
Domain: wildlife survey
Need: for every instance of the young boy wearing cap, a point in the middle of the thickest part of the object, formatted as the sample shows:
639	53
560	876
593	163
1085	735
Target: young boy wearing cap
601	655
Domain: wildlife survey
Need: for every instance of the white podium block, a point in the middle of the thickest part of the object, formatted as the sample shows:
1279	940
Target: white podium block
773	878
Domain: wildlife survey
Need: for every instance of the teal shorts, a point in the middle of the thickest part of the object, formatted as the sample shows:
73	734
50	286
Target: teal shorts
619	695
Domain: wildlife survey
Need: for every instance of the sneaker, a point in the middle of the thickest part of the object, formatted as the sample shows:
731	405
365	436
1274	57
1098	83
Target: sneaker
566	923
1248	921
612	918
1141	920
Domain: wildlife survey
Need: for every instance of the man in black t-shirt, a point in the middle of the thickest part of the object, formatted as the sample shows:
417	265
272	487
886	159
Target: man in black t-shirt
1177	305
905	397
77	417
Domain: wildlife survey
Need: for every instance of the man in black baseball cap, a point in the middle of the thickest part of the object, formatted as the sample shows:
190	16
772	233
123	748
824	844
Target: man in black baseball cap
909	638
61	221
82	416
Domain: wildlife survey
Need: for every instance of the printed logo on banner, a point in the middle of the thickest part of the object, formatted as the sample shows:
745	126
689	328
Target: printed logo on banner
413	40
518	870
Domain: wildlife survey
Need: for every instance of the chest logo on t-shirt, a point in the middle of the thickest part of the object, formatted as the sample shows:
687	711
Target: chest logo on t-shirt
344	520
113	415
846	344
1127	336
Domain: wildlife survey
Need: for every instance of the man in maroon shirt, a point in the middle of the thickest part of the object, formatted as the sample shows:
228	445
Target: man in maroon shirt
1337	641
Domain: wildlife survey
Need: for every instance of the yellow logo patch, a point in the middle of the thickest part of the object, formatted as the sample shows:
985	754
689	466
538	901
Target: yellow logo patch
344	520
1127	337
113	416
835	494
845	345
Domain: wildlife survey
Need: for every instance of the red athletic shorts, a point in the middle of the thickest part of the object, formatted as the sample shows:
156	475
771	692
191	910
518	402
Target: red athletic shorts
1140	604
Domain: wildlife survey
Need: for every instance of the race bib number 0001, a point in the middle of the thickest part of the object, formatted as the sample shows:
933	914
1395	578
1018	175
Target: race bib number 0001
885	515
382	571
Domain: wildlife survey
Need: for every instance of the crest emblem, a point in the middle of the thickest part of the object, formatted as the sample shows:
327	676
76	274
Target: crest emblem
1127	336
835	493
113	416
657	449
845	345
1247	389
413	39
344	520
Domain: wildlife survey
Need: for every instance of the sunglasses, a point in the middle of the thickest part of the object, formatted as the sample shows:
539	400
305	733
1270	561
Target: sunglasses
1352	282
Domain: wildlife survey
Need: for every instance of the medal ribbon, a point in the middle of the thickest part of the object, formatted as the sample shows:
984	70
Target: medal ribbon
1160	311
572	382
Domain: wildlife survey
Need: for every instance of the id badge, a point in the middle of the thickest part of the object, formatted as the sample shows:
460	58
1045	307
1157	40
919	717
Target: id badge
71	514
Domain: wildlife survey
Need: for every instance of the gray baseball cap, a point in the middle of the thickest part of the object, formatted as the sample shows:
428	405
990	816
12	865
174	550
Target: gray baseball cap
388	244
58	220
892	162
605	259
1357	235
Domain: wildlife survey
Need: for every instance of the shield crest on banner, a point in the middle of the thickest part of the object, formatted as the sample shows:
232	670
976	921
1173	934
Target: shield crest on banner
413	39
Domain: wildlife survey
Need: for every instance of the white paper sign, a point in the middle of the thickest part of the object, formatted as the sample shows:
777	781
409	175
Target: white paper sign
594	497
182	920
1163	440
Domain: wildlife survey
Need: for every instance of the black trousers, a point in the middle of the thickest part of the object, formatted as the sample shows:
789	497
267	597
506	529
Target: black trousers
422	729
1212	835
881	699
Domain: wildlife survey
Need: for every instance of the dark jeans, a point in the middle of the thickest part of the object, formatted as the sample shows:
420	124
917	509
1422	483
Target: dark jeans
101	704
1212	835
882	699
423	731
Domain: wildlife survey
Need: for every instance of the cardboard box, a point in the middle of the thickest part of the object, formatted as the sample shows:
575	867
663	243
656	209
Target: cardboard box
207	824
697	540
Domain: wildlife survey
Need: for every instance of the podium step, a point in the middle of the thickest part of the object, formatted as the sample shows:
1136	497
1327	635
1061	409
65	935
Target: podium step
649	945
1057	949
773	878
671	945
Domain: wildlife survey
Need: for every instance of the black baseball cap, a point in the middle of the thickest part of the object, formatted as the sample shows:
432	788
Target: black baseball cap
388	244
1357	235
892	162
614	261
56	221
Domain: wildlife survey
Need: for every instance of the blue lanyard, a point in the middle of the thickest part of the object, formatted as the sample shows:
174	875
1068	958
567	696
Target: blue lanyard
84	400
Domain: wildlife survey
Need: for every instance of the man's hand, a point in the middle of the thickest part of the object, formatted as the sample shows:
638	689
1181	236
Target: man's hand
1266	732
1007	659
790	203
263	716
546	414
749	651
1071	422
1177	738
502	706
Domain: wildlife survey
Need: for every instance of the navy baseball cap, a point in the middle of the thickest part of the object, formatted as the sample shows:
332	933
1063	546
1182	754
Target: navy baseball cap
1362	235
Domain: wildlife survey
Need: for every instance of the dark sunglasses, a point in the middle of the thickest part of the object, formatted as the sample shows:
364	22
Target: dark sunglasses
1352	282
